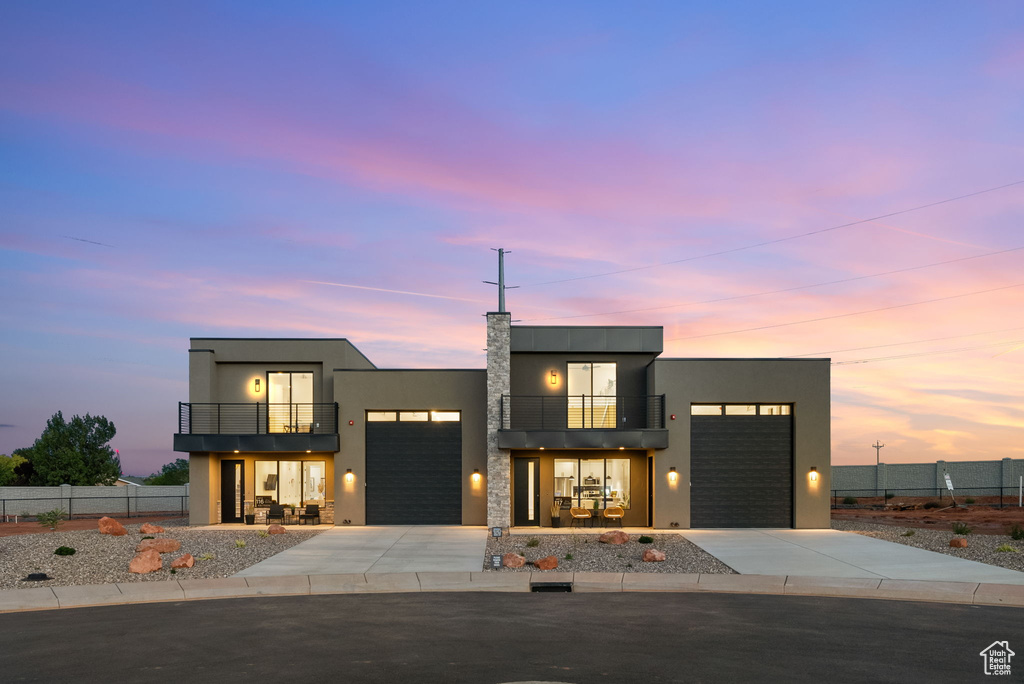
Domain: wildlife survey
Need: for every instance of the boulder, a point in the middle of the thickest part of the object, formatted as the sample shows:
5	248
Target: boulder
653	556
111	527
958	543
546	563
513	560
161	545
276	529
186	561
146	561
151	529
614	537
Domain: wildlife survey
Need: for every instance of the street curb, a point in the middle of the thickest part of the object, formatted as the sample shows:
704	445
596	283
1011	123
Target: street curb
55	598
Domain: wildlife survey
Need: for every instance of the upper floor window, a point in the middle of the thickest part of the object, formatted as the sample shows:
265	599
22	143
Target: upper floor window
290	401
591	389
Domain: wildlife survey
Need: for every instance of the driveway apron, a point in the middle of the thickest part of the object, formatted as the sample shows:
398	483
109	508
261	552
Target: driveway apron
413	548
834	553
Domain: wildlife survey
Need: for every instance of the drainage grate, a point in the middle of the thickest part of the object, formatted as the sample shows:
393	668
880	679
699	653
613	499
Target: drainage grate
565	587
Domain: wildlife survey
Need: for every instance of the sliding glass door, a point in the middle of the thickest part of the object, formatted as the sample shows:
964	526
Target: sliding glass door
290	402
591	389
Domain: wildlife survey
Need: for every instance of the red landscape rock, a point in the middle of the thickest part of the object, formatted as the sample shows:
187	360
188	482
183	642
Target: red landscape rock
653	556
151	529
186	561
614	537
163	545
958	543
111	527
546	563
147	561
276	529
513	560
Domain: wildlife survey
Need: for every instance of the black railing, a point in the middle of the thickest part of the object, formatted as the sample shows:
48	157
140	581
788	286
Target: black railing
582	412
257	418
911	496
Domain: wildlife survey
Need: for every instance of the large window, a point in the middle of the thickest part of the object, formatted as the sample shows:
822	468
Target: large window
413	416
591	389
290	402
740	409
291	482
592	482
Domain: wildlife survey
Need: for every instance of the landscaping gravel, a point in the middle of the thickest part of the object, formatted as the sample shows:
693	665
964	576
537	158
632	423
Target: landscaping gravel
590	555
980	547
103	559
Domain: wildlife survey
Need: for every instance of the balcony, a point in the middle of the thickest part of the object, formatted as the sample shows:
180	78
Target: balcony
257	426
582	422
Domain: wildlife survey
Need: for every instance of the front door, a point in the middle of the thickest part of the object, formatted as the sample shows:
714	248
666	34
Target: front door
232	491
526	511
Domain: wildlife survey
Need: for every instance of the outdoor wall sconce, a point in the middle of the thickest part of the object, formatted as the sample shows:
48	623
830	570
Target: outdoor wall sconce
349	476
672	474
257	385
814	473
554	378
476	475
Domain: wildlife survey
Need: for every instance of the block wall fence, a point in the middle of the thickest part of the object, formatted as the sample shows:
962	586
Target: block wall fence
100	500
1001	476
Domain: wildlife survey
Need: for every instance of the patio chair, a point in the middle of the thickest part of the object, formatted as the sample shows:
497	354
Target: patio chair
276	512
312	513
614	513
578	514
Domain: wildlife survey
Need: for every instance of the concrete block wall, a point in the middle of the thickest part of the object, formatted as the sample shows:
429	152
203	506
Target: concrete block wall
116	501
975	478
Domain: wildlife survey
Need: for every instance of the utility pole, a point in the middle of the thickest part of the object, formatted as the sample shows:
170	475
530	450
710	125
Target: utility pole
878	448
501	278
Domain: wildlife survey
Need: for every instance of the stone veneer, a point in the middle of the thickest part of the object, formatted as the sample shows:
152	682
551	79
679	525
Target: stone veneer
499	489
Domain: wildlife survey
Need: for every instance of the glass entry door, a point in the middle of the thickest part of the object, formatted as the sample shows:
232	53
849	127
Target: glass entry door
232	491
526	499
290	402
591	389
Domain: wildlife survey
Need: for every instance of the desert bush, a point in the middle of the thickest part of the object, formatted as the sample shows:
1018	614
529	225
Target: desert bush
850	501
239	543
534	542
1005	548
207	556
64	551
52	519
932	504
262	534
1016	532
646	540
909	533
969	500
961	528
568	556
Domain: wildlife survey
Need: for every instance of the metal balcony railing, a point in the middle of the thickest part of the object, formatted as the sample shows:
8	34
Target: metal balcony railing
257	418
582	412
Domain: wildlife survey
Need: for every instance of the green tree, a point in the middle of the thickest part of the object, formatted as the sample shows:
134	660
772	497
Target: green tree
76	452
7	466
175	473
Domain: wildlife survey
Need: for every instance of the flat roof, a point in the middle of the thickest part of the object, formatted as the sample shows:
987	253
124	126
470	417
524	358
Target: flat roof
587	338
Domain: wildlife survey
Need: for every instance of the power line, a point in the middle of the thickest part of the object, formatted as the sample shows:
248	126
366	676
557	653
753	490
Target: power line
783	239
786	289
929	353
900	344
845	315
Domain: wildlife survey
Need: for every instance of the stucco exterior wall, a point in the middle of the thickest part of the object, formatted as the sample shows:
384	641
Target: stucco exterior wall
804	383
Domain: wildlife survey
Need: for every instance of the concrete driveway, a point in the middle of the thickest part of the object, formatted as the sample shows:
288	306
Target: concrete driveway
833	553
414	548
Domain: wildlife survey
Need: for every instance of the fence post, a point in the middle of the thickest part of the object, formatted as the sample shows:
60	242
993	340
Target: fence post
65	493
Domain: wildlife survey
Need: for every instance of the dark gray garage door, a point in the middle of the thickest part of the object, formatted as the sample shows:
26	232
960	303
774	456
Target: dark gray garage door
413	473
741	471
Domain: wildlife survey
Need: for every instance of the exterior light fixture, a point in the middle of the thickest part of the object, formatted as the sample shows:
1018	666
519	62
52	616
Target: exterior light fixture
672	474
309	451
542	448
814	473
257	385
476	475
554	378
622	448
236	451
349	476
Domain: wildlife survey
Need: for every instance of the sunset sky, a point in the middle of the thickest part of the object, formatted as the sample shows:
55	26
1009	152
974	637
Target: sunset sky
762	179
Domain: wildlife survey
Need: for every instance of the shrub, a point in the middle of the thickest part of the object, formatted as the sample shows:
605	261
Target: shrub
239	543
568	556
64	551
969	500
262	534
909	533
1016	532
149	537
932	504
889	495
850	501
174	571
52	519
646	540
207	556
961	528
1006	548
533	542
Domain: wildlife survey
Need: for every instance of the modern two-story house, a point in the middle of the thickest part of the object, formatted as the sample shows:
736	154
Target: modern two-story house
561	418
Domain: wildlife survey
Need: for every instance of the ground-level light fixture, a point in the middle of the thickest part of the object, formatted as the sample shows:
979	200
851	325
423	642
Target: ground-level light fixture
257	386
672	474
476	475
814	473
349	476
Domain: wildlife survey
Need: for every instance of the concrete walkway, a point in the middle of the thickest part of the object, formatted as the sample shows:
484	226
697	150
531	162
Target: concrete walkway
833	553
414	548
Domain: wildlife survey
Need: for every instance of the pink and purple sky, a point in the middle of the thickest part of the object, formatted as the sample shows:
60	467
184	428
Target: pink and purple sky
170	170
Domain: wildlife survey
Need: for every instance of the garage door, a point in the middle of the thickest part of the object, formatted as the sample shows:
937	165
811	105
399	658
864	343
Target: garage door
413	473
741	470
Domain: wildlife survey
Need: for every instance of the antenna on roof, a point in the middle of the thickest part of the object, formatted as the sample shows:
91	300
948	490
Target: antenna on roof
501	278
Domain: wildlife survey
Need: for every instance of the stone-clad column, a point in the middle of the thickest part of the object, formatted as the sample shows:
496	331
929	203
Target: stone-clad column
499	491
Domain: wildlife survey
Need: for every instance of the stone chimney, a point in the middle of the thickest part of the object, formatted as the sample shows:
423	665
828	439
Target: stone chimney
499	466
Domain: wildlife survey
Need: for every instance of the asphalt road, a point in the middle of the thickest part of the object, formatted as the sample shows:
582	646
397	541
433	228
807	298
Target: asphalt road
490	638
